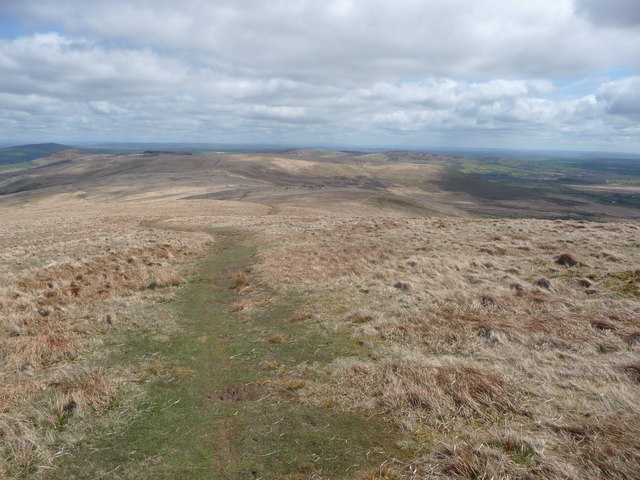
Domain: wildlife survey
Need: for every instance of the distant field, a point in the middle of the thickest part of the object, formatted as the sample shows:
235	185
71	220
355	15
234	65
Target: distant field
562	175
7	166
626	189
531	175
520	180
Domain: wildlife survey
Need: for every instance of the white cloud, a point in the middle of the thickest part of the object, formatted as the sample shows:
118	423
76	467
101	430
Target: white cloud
622	97
106	107
351	39
55	65
361	70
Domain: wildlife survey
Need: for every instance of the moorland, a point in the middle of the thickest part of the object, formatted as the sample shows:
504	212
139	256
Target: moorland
318	314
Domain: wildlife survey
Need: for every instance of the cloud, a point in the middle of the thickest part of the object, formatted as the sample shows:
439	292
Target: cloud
105	107
347	40
621	97
368	71
55	65
613	13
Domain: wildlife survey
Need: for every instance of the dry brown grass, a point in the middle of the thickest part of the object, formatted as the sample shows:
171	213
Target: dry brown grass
300	314
360	316
65	285
487	371
241	280
633	370
238	306
492	343
278	338
166	278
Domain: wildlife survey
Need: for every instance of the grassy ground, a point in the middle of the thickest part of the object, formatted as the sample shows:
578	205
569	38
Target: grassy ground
314	346
226	403
498	361
8	166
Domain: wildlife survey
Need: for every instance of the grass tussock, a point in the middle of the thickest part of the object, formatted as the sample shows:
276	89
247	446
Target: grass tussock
46	345
65	286
278	338
238	305
360	316
300	314
437	396
166	278
632	370
605	446
496	457
508	325
241	280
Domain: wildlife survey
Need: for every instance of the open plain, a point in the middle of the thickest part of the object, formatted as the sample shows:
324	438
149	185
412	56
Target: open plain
312	315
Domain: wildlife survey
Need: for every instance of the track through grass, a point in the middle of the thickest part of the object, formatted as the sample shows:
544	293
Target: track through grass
232	414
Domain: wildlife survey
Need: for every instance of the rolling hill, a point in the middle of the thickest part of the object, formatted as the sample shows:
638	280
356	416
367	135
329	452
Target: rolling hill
26	153
298	181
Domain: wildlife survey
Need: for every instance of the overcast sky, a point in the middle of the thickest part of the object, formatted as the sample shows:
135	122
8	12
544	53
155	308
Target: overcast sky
551	74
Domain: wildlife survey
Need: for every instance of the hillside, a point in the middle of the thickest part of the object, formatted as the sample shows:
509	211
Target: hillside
569	174
340	182
236	316
25	153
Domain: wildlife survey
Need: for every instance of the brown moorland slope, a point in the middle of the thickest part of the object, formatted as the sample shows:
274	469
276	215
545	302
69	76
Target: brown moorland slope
365	183
491	348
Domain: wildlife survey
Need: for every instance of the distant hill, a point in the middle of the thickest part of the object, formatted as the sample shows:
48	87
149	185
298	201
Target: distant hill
26	153
391	183
355	157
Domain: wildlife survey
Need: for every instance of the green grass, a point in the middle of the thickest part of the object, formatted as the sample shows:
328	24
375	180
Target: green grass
7	166
626	283
193	428
550	175
603	197
25	153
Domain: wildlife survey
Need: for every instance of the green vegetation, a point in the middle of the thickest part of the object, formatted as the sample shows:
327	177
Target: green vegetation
626	283
8	166
540	174
225	404
459	182
25	153
607	198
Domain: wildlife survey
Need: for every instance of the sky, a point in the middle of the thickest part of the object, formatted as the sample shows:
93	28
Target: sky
528	74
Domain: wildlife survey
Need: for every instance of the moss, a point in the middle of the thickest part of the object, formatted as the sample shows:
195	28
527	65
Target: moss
625	283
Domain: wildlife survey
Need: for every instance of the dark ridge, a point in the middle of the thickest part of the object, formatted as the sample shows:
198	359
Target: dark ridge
160	152
26	153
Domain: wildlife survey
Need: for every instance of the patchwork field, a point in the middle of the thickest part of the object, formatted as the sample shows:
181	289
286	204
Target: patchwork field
251	316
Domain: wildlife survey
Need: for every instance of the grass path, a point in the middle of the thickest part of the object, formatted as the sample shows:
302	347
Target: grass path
235	414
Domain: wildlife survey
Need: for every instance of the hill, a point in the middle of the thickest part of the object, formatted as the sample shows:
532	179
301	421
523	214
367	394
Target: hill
304	181
278	316
25	153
